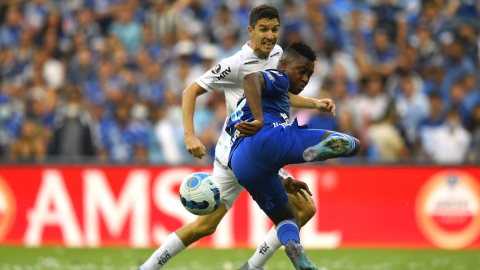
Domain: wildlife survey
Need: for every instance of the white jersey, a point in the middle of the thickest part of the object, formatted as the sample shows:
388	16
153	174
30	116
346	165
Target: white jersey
228	74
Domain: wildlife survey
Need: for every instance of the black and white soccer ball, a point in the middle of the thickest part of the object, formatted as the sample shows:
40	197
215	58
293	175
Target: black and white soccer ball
200	193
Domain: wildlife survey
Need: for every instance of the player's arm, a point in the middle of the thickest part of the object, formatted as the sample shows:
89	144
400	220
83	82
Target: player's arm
323	105
189	96
254	84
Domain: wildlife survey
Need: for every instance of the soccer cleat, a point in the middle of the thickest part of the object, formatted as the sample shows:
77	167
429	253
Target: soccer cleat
329	148
299	258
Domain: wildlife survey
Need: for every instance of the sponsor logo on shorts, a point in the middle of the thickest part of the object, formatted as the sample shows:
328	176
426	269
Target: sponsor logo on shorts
284	125
216	69
251	62
448	209
7	208
164	258
222	75
263	248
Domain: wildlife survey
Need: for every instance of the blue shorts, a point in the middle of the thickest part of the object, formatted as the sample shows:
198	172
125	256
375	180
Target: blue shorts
257	160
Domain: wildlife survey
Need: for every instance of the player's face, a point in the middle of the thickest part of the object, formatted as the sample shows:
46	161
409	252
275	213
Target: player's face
264	36
299	71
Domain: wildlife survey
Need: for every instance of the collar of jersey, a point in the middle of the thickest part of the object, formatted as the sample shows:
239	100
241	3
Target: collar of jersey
247	48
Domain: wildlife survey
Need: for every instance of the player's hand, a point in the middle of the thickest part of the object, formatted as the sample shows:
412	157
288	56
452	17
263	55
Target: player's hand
326	105
248	129
195	146
296	187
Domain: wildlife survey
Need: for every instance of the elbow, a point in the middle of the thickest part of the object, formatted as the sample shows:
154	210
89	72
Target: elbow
186	93
248	77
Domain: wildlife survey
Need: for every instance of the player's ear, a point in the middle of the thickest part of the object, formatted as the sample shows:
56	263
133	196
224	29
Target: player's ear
283	64
250	30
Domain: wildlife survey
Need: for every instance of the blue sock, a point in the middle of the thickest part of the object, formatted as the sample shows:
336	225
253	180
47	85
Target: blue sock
354	142
287	231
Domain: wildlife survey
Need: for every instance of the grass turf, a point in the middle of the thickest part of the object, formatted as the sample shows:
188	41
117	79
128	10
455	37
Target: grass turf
17	258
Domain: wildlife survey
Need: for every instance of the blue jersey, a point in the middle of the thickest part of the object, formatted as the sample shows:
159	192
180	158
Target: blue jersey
275	105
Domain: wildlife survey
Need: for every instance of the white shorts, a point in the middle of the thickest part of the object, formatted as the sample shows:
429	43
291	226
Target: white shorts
229	185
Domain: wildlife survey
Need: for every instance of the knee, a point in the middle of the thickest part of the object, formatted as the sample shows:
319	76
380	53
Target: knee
307	211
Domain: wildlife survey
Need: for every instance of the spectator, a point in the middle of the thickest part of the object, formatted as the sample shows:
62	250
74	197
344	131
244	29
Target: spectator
10	123
81	68
457	65
52	26
30	146
123	139
471	98
405	67
126	29
413	107
448	143
151	89
432	18
73	136
387	14
427	47
468	37
437	113
385	143
23	54
223	25
474	127
162	17
150	45
90	30
169	134
11	31
8	65
35	13
372	104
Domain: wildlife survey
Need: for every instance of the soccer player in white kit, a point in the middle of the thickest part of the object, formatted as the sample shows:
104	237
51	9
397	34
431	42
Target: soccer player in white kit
260	53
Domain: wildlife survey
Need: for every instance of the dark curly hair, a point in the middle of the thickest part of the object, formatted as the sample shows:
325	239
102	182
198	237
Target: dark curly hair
262	12
302	49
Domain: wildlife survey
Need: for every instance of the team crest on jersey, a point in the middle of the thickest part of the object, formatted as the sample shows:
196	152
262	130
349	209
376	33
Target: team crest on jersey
216	69
222	75
276	73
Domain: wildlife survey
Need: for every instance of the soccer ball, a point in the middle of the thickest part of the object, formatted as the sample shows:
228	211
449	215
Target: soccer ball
200	193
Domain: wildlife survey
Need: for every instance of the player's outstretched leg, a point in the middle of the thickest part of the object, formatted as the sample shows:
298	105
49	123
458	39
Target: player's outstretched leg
334	145
306	210
177	241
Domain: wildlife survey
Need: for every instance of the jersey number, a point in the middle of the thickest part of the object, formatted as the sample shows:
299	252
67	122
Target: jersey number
238	113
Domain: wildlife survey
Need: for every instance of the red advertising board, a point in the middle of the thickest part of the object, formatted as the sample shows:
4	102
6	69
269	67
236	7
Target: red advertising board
395	207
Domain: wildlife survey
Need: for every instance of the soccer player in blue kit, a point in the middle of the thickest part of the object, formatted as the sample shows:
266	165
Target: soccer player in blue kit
263	141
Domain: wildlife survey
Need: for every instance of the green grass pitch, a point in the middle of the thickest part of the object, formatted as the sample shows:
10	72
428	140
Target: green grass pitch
17	258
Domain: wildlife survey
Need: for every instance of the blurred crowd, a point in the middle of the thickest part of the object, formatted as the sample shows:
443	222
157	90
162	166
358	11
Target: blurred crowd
102	80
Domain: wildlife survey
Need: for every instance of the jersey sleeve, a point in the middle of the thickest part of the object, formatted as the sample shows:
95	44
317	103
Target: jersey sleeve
276	82
225	74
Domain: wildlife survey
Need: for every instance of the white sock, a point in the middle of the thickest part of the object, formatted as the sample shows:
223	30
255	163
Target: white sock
265	251
169	248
